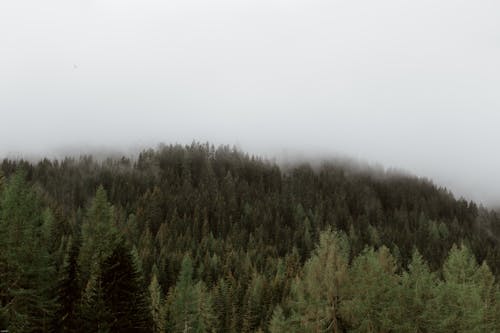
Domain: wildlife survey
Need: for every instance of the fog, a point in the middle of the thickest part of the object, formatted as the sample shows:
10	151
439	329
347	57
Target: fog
412	85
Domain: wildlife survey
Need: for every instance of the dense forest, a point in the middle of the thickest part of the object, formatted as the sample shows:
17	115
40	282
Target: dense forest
203	239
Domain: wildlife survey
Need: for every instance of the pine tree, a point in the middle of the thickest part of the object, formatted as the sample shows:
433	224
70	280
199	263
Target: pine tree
2	180
99	235
190	308
124	293
418	291
458	306
66	316
47	228
183	309
222	298
461	266
157	305
253	307
26	273
317	295
370	301
279	324
488	291
95	314
205	308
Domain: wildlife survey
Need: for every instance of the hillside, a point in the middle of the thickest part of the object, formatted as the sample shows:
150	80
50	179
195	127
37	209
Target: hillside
204	239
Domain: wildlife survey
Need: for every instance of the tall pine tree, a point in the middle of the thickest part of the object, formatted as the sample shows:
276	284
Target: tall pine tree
26	273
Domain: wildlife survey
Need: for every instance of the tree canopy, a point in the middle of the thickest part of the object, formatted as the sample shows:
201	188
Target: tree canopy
203	239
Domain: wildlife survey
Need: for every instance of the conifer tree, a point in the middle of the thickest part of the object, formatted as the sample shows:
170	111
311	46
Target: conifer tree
461	266
124	293
418	291
26	273
95	314
458	304
253	307
369	304
317	295
222	297
279	324
2	180
489	291
66	316
190	307
157	305
99	235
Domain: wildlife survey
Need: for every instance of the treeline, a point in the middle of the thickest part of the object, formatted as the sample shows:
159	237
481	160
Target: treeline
203	239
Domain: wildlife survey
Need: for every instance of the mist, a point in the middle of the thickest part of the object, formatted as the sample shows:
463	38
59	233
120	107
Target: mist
405	84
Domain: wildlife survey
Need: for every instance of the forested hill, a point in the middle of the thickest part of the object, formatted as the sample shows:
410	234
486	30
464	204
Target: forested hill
203	239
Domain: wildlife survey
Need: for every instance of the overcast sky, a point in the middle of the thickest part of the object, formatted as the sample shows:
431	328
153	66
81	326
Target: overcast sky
407	84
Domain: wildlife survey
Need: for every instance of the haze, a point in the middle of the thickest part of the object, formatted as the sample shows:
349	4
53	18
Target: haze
407	84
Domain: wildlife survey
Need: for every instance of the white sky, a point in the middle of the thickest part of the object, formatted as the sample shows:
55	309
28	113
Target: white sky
408	84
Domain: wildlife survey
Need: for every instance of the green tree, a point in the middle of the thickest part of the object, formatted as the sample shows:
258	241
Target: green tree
317	295
370	304
253	311
96	315
279	324
417	293
489	292
26	273
66	316
458	306
125	293
157	305
190	306
99	235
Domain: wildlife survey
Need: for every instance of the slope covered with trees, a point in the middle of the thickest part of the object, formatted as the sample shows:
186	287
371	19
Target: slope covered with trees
203	239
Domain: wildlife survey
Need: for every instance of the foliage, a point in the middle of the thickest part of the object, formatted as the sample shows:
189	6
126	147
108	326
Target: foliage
229	242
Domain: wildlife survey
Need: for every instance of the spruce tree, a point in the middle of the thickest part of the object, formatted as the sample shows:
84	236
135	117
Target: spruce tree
417	294
66	316
95	313
99	235
369	302
488	290
26	272
458	306
124	293
190	308
317	295
279	324
157	305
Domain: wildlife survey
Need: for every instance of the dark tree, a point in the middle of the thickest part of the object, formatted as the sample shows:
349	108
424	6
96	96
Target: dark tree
125	293
67	316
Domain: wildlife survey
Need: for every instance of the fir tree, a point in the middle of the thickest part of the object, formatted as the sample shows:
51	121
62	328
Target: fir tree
190	308
317	295
26	273
369	304
99	235
157	305
66	316
418	292
279	324
458	306
124	293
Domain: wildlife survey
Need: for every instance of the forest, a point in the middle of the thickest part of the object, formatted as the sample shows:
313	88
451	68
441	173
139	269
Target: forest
197	238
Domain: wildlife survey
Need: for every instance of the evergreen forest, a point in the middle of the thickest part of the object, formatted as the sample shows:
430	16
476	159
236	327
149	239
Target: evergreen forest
196	238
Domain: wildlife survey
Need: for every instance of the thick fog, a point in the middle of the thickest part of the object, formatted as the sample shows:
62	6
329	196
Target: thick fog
413	85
